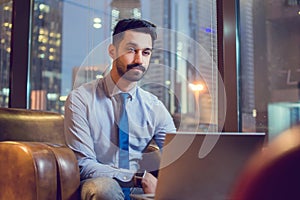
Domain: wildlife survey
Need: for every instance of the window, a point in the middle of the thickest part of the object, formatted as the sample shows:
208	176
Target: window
269	65
68	46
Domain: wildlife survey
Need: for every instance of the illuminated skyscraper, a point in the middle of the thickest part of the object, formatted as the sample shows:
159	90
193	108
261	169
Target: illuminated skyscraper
121	9
45	63
45	72
5	39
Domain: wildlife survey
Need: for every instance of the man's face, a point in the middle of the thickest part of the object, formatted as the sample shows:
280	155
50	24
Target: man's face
133	55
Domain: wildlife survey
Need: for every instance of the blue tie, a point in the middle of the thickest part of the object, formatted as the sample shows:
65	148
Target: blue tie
123	140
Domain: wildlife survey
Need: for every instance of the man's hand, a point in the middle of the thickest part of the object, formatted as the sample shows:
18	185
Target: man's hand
149	183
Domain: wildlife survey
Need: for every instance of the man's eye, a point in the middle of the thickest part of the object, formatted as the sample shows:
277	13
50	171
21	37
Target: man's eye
147	53
131	50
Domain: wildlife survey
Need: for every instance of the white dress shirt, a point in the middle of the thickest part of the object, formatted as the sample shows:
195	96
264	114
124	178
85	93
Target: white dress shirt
91	116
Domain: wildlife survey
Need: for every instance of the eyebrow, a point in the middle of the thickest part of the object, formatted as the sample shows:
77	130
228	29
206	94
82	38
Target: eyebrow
134	44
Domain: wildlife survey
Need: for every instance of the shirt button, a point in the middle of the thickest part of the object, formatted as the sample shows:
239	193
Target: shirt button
125	178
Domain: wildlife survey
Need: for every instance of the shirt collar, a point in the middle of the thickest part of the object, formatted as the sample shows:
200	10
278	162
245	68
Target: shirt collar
112	89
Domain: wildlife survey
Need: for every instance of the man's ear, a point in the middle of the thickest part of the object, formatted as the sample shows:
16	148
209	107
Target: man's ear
112	51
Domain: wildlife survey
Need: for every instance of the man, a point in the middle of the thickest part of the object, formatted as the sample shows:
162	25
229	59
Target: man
92	116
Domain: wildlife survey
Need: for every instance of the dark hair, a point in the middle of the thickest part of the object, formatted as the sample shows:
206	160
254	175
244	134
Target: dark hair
137	25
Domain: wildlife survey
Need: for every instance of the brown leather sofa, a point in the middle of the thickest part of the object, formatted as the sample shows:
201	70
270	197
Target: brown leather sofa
35	163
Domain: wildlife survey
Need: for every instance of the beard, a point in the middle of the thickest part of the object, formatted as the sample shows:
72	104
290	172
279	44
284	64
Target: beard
127	72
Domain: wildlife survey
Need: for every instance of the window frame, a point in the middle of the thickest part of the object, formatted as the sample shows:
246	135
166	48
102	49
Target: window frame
20	53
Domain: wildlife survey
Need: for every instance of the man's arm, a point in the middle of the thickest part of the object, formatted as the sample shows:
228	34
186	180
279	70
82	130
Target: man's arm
78	138
165	124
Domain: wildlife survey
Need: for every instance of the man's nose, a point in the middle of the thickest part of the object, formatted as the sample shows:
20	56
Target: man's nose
138	58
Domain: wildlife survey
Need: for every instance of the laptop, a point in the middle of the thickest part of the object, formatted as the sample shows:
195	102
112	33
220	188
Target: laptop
205	166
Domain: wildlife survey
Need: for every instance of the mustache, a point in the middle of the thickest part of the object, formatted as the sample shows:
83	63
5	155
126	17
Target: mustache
136	65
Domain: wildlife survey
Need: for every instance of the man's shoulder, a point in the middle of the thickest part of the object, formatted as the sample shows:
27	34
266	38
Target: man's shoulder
147	96
87	89
92	85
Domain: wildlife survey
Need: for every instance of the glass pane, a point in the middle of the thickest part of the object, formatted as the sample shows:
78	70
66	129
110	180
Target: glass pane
46	54
69	47
270	65
5	39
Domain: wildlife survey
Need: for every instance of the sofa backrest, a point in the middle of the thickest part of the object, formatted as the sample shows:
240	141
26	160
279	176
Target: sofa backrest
31	125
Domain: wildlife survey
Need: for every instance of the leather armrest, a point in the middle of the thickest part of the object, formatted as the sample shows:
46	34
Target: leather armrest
68	172
36	170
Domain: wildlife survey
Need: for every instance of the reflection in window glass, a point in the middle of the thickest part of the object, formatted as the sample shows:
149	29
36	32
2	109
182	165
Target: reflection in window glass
270	65
5	39
69	47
